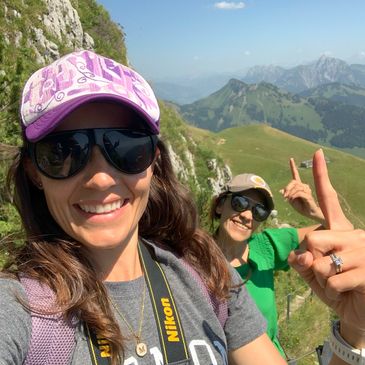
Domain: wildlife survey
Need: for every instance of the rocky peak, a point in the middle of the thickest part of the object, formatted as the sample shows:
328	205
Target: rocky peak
268	73
63	21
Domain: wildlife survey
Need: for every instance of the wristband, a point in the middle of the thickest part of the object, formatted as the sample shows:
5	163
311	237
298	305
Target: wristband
343	350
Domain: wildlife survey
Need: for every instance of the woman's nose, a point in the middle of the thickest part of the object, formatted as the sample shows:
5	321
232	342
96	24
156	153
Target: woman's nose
246	214
99	173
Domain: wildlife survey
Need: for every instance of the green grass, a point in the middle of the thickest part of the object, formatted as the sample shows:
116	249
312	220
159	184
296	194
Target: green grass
266	151
304	323
305	330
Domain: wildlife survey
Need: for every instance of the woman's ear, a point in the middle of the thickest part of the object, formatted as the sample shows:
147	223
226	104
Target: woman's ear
32	173
219	206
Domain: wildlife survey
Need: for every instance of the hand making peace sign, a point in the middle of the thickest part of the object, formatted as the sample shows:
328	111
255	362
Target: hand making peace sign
300	197
339	283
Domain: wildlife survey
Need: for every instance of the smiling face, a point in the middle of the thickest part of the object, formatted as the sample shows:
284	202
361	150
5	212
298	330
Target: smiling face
235	227
99	206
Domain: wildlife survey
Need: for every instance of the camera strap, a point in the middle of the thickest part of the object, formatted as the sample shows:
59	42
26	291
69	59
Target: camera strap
171	335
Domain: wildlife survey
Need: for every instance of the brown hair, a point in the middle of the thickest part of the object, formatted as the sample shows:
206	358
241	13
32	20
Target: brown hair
213	215
54	258
216	202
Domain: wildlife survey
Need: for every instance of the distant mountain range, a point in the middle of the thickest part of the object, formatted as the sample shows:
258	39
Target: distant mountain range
295	80
332	114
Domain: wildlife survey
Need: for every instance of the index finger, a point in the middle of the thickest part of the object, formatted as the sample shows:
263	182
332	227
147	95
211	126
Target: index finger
327	195
294	170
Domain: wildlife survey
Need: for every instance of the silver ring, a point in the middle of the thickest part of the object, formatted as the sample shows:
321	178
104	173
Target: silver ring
338	262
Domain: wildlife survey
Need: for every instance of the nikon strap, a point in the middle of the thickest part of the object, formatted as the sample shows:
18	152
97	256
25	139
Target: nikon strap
172	339
167	318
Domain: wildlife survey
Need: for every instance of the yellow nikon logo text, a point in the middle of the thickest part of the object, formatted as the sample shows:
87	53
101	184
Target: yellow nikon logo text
170	324
103	346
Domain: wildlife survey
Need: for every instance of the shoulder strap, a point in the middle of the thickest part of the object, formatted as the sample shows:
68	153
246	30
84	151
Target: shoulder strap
170	329
53	338
220	307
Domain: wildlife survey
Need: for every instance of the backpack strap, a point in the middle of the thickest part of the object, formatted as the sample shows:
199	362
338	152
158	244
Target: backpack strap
53	338
220	307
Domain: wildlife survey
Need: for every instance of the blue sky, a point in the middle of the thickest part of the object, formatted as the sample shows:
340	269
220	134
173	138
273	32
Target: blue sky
178	38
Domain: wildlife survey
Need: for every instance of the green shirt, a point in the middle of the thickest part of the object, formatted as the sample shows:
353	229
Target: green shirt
268	251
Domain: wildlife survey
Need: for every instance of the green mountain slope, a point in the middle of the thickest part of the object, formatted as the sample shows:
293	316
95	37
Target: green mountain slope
266	151
317	119
347	94
238	103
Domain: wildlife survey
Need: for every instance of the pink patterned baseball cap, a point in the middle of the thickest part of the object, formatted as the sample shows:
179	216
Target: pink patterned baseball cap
54	91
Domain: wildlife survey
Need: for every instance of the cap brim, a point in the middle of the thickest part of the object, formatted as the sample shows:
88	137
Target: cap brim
49	121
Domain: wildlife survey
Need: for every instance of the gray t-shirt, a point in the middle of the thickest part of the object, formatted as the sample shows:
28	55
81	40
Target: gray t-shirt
206	340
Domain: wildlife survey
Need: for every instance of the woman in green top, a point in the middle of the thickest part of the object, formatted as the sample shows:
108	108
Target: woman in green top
245	203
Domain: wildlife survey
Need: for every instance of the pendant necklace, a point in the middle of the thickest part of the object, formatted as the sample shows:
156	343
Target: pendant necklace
141	347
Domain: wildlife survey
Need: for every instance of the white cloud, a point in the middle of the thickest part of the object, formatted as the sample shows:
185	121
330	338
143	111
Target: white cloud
247	53
362	54
226	5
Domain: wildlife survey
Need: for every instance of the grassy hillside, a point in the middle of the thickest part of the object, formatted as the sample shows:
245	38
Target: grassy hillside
266	151
238	104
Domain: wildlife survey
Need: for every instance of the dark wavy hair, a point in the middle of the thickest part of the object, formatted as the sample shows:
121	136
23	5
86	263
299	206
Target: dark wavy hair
55	259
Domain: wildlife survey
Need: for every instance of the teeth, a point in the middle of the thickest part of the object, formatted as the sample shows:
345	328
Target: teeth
101	208
240	224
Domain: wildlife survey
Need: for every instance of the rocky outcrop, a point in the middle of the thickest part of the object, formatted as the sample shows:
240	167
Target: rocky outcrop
61	24
64	23
222	176
178	165
184	167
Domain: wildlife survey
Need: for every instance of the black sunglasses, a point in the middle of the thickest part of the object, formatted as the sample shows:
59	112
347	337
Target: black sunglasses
63	154
241	203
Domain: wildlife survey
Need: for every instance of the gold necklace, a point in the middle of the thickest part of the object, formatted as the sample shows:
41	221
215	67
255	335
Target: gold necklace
141	347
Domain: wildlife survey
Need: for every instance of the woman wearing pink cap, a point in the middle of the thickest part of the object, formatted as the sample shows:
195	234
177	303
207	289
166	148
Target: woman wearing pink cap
244	204
113	268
